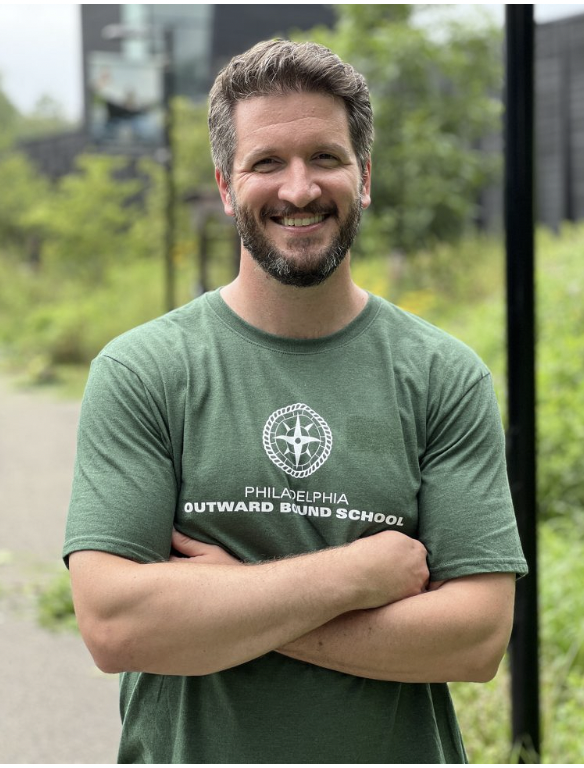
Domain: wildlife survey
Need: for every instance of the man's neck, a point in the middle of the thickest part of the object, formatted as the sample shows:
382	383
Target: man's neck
300	313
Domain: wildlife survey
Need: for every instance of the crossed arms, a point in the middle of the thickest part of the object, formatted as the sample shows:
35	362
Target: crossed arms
365	609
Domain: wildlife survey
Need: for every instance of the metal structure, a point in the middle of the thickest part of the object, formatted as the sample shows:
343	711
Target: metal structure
169	240
124	32
519	228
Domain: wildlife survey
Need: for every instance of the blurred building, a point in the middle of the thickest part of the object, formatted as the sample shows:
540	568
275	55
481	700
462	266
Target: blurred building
559	121
559	129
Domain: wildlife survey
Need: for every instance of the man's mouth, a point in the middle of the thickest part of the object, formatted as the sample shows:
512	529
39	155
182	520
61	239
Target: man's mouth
297	221
290	217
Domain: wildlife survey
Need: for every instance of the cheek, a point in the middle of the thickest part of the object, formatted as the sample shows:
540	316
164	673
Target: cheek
253	193
258	198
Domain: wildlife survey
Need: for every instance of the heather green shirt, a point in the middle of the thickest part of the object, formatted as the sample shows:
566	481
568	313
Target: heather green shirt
270	446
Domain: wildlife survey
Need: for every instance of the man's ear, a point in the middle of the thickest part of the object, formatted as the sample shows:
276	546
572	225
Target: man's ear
366	189
224	192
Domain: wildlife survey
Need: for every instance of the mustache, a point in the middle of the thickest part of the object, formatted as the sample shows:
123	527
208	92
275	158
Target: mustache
312	209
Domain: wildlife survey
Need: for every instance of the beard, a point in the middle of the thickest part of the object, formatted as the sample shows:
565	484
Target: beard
308	265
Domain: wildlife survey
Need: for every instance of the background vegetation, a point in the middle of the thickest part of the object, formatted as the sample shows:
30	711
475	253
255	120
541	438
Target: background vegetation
81	261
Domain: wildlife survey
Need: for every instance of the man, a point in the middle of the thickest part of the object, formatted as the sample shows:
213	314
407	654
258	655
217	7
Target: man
333	467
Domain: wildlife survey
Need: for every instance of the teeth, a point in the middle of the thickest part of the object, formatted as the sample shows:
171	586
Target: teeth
302	222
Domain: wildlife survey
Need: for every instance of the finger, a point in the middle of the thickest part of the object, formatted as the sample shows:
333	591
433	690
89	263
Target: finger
184	544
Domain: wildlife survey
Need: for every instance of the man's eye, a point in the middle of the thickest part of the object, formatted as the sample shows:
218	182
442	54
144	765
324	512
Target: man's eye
265	165
325	159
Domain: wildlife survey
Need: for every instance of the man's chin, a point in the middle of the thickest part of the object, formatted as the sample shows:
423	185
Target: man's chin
299	279
300	275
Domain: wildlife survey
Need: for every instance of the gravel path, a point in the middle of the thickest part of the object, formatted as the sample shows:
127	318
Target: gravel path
55	705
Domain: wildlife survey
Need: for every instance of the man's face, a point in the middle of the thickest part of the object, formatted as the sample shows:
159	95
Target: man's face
296	190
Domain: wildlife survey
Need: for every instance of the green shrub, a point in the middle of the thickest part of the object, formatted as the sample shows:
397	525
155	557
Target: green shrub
55	604
560	382
62	322
87	220
561	588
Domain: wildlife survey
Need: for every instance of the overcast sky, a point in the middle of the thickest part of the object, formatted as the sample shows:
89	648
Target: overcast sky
40	51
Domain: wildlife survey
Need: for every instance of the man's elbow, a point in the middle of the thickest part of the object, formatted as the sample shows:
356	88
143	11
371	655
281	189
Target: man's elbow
484	672
117	645
110	651
483	661
101	613
489	621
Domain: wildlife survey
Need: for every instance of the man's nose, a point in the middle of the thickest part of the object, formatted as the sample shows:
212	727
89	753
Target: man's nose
299	185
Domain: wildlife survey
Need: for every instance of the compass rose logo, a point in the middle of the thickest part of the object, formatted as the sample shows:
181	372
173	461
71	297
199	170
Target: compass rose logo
297	440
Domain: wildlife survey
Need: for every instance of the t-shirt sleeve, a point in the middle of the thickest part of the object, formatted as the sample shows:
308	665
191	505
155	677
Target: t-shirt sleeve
125	486
466	516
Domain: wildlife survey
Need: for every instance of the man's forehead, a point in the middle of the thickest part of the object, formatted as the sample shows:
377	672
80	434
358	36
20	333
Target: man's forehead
297	111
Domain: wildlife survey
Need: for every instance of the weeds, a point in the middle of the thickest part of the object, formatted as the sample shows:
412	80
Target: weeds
55	604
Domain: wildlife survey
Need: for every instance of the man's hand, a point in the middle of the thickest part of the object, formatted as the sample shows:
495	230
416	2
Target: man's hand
393	567
199	552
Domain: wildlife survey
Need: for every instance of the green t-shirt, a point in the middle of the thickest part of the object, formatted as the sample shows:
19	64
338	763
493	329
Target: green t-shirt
268	447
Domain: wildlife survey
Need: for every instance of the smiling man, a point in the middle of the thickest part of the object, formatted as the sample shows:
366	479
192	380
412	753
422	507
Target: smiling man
290	524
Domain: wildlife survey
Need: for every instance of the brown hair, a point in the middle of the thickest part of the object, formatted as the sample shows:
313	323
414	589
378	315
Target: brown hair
279	67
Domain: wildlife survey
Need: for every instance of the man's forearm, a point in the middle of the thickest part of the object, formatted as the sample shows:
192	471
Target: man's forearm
182	619
457	632
176	619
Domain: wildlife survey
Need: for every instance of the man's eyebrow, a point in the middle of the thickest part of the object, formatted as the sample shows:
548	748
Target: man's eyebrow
331	147
259	153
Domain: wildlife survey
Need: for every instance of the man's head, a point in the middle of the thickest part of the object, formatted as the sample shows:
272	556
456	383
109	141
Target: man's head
291	133
280	67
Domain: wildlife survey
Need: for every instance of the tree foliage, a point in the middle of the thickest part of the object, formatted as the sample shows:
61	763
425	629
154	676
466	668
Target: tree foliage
193	164
47	117
21	190
87	218
110	209
434	85
9	118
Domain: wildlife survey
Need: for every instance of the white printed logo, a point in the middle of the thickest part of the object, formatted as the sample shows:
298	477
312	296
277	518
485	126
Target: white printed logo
297	440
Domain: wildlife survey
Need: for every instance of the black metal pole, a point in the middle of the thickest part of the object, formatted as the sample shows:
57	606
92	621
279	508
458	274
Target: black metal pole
519	226
169	170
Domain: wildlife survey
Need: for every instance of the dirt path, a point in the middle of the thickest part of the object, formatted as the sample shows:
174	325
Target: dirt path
55	706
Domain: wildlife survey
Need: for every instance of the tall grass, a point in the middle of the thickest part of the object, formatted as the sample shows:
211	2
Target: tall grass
52	324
